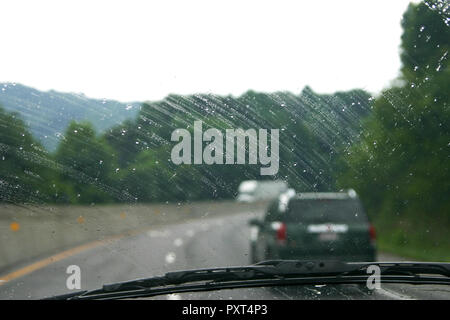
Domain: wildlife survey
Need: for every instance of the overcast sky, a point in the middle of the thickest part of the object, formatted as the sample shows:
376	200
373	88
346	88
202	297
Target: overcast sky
144	50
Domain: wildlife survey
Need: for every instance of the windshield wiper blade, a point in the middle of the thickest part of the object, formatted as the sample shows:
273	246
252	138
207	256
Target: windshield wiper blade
269	273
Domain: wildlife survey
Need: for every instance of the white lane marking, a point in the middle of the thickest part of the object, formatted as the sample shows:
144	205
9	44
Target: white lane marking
178	242
170	257
158	233
190	233
254	233
173	296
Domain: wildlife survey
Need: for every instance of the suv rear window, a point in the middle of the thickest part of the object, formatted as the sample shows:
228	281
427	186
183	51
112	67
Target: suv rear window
325	210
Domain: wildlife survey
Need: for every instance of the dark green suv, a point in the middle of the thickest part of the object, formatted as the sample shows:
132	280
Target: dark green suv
305	226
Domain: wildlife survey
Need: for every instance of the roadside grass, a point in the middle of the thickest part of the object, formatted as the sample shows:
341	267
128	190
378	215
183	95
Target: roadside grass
417	239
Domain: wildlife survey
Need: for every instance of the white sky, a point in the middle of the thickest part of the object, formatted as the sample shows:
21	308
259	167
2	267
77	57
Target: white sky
144	50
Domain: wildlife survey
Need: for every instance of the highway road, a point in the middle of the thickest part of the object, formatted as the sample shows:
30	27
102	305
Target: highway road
207	242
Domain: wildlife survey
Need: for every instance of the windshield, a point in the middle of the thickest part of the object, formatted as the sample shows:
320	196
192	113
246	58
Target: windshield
139	138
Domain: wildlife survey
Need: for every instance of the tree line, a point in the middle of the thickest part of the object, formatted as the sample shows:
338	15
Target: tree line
401	165
131	162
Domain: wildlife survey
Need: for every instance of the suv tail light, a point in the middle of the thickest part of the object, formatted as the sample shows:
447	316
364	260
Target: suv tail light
281	233
372	233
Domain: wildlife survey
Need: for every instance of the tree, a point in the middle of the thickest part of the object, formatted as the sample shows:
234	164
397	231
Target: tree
25	170
401	167
425	40
88	165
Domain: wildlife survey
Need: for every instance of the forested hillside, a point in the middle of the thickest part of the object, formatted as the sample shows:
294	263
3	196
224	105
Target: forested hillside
131	161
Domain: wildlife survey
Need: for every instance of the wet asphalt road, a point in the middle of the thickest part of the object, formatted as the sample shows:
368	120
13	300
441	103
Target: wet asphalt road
209	242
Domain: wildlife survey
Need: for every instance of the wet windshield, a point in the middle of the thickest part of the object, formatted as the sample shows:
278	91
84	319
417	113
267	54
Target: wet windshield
138	138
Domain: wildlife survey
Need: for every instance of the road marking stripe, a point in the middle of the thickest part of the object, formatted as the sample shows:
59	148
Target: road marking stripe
170	257
57	257
178	242
70	252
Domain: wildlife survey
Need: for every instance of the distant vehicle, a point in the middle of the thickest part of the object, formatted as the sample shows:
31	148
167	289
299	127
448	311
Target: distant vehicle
330	226
253	190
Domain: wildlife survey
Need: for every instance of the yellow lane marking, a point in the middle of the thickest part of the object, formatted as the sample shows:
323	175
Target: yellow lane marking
58	257
65	254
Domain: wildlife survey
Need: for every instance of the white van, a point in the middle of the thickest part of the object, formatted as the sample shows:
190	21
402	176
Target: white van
254	190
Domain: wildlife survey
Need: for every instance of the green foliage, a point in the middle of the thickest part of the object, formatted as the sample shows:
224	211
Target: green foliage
312	127
24	172
87	165
424	41
131	161
47	114
401	167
